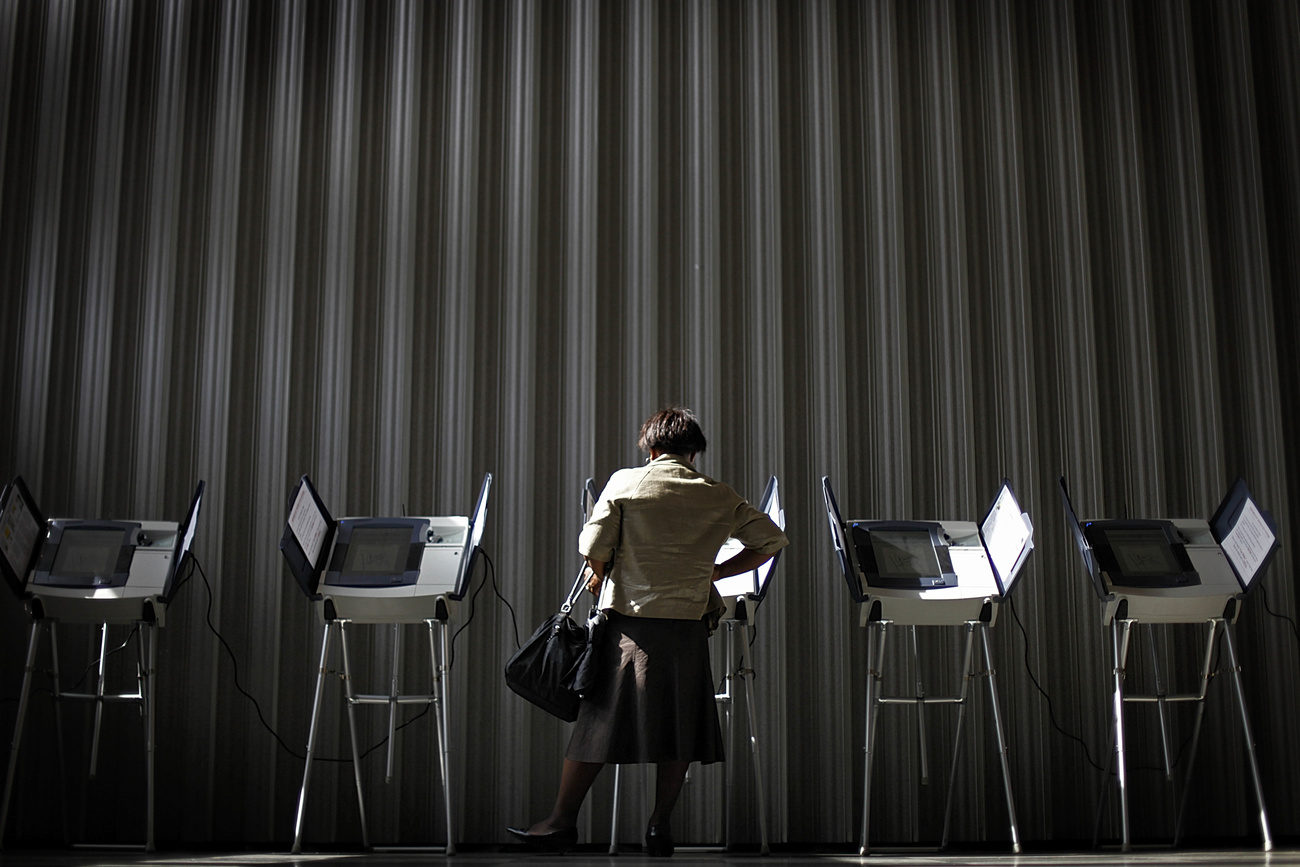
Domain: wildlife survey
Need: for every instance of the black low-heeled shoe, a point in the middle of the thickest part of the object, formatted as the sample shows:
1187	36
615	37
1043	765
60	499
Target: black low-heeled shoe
559	841
659	841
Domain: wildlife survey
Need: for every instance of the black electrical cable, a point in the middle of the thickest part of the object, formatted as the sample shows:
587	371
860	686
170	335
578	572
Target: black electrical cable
134	630
256	705
1263	592
1214	670
188	575
497	590
1051	714
451	660
234	663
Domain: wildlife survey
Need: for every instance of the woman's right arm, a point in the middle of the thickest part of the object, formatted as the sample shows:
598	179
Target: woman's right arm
597	576
746	561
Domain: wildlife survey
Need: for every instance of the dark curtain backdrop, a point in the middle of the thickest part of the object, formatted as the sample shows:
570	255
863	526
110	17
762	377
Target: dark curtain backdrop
914	246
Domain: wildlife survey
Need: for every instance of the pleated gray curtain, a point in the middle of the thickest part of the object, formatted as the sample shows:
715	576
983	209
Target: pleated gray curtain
914	246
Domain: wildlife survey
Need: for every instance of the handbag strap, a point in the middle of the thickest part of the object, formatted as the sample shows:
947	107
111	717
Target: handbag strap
578	584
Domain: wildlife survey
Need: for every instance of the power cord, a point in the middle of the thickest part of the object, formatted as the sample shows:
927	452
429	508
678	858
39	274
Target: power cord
1263	592
50	691
514	620
256	705
195	565
1214	671
496	590
1051	714
134	630
44	689
234	663
473	598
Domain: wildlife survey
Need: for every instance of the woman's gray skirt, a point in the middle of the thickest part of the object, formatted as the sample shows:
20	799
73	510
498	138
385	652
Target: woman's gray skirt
655	699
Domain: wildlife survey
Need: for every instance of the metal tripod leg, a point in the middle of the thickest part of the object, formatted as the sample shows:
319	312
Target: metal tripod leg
1002	737
443	725
751	712
1104	795
352	728
58	725
1162	708
1196	728
28	669
1162	713
728	702
311	738
920	709
1250	739
613	817
964	675
147	642
875	660
394	693
1119	633
99	699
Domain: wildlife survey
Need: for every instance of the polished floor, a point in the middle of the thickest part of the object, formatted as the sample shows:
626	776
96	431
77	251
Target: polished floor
506	855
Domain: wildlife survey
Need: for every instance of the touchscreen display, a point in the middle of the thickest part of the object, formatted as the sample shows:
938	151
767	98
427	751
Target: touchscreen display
87	554
904	554
375	551
1143	553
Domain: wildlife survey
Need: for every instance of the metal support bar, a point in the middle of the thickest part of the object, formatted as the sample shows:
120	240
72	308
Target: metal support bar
964	676
912	702
53	627
150	657
875	663
920	709
99	698
28	669
311	738
751	712
1119	635
1179	698
394	693
613	819
444	730
728	705
1207	661
1161	709
116	698
1104	794
1250	739
1002	738
352	730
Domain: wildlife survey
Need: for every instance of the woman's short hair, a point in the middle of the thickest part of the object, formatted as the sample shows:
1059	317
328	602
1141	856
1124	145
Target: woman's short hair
674	431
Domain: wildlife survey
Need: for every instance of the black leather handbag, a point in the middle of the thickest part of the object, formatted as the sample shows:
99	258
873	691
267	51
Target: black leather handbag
552	669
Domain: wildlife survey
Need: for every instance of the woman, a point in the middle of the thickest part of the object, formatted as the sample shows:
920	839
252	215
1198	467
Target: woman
650	543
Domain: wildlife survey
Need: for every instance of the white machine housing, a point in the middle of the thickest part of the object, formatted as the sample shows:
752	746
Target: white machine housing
440	567
1006	533
151	565
1191	604
942	606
